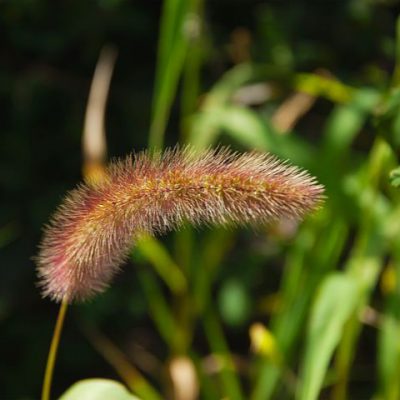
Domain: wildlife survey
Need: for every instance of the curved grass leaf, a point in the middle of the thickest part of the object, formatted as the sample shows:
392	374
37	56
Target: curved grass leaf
334	304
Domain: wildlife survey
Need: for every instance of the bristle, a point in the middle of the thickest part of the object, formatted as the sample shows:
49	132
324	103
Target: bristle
93	230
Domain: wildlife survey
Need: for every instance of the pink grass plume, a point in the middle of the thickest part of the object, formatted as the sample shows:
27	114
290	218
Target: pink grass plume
92	232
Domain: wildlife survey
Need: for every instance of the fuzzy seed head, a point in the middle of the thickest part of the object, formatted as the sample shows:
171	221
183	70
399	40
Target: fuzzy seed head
91	233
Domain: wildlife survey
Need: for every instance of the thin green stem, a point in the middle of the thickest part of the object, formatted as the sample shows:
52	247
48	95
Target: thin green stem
51	359
193	62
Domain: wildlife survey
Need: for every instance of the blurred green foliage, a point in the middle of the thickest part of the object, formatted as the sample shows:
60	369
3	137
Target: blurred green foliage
290	311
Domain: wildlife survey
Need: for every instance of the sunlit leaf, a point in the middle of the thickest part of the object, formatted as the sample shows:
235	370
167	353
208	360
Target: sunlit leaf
97	389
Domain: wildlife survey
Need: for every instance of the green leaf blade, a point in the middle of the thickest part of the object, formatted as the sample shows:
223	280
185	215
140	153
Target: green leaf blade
334	304
97	389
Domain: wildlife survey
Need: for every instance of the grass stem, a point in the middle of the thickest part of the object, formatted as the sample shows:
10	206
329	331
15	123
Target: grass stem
51	359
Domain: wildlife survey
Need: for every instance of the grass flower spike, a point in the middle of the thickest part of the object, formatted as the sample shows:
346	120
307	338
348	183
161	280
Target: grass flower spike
93	230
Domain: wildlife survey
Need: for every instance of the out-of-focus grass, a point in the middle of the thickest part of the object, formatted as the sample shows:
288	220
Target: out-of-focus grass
333	264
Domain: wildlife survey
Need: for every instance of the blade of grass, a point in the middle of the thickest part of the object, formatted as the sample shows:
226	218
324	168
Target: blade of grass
388	346
158	255
193	61
389	351
208	389
184	241
248	128
346	121
245	126
343	125
136	382
219	347
365	268
328	316
318	243
173	45
388	336
364	263
216	244
204	126
160	311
